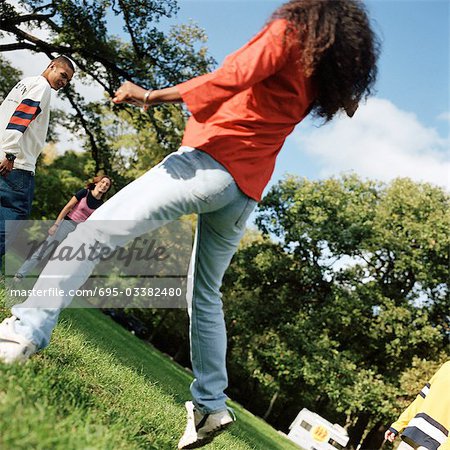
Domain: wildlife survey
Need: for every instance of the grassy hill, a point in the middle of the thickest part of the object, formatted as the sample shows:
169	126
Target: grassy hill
99	387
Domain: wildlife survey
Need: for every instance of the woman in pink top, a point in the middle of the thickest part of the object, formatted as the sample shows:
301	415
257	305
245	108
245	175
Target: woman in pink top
77	210
313	56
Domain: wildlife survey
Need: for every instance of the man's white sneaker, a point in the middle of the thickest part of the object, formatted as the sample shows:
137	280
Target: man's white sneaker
13	346
201	429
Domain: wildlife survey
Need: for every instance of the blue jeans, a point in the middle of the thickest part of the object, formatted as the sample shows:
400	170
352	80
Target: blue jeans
44	250
188	181
16	196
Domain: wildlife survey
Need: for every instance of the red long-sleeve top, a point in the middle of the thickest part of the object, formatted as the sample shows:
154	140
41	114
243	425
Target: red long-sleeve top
243	111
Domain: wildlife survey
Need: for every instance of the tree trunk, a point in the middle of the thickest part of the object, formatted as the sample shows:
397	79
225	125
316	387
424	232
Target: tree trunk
373	438
356	432
182	355
158	326
272	402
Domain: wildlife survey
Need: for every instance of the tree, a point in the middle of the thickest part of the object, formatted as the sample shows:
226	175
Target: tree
58	177
9	76
79	30
336	303
134	147
413	380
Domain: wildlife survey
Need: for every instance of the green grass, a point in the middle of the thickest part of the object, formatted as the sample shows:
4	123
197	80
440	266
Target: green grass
99	387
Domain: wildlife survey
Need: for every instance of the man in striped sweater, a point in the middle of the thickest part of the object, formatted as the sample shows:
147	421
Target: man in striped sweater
425	423
24	120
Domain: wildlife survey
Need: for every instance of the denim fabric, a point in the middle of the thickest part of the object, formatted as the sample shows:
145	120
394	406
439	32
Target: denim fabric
187	181
65	227
16	196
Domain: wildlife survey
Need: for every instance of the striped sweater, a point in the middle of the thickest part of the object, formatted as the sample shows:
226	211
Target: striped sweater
24	119
426	421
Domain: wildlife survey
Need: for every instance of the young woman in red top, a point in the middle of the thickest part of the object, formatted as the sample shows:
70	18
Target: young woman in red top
313	56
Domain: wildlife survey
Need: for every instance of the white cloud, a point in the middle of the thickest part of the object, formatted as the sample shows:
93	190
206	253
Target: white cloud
381	142
445	116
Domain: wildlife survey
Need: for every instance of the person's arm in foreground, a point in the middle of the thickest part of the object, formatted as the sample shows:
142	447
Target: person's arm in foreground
257	60
69	206
410	412
136	95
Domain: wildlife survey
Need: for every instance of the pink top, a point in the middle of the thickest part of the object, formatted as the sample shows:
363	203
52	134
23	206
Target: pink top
81	211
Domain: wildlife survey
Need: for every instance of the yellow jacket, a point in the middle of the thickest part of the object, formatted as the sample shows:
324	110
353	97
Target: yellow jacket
426	421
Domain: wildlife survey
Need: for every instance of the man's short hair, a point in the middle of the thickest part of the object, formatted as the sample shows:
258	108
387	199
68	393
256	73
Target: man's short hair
61	59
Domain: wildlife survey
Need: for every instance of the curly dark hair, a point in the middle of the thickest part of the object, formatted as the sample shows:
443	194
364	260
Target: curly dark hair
339	50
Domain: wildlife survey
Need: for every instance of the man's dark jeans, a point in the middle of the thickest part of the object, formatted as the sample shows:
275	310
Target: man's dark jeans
16	196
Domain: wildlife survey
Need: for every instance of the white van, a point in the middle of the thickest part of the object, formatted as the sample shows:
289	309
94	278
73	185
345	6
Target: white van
312	432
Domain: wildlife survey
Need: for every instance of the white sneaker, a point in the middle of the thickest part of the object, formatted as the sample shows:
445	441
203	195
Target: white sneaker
13	346
201	429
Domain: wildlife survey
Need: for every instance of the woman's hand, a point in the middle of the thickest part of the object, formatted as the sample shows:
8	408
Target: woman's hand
53	229
130	93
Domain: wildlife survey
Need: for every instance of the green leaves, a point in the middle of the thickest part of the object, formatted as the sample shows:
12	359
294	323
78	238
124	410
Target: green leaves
346	289
9	76
87	32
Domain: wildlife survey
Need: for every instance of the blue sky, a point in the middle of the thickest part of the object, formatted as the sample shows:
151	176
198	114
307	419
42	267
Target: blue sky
414	65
